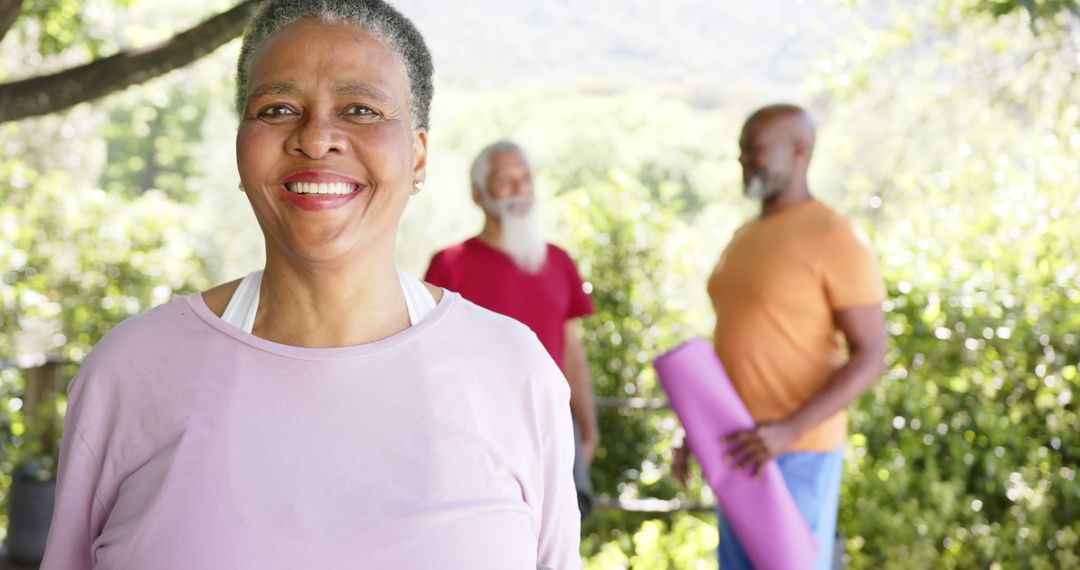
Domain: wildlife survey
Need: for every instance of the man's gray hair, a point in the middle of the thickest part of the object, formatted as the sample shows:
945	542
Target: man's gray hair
374	16
481	166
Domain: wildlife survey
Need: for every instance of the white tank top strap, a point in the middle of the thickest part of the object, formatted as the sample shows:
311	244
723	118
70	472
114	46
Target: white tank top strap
244	304
241	310
418	299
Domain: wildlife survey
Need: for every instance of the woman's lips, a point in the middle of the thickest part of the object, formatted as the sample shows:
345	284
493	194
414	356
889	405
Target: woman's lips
317	190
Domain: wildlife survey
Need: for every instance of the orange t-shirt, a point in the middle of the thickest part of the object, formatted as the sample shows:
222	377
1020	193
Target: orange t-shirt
774	291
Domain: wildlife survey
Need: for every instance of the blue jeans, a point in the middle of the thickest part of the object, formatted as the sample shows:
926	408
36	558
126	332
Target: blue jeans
814	480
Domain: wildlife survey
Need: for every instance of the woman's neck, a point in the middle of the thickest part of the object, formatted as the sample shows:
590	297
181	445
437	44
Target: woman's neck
330	304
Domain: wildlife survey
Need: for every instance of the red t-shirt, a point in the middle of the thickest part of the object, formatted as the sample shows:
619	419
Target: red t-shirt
490	278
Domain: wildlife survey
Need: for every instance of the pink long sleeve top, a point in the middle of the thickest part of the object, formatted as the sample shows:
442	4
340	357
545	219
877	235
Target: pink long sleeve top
190	444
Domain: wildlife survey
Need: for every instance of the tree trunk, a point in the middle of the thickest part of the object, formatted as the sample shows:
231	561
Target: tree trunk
51	93
42	385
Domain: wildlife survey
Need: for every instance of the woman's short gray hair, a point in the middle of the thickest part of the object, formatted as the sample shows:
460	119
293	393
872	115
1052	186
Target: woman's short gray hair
481	166
374	16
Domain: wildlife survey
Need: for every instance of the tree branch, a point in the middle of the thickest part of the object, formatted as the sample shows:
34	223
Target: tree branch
9	12
51	93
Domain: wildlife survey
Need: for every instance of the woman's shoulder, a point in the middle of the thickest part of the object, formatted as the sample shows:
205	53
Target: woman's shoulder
144	335
132	355
489	325
496	335
502	341
501	348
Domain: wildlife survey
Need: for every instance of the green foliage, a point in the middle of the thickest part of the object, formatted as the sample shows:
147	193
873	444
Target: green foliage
964	456
150	136
977	463
1036	9
630	243
685	541
78	260
62	24
623	242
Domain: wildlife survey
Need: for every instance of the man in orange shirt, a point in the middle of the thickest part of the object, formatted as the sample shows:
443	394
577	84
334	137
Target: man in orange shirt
799	325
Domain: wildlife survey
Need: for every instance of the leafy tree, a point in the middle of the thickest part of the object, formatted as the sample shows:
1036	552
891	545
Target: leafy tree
1036	9
61	29
962	456
151	136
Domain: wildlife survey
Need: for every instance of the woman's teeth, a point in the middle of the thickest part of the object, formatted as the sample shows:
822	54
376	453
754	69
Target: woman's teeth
319	188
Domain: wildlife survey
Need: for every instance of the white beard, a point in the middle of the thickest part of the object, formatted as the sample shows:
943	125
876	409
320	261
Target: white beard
758	189
521	238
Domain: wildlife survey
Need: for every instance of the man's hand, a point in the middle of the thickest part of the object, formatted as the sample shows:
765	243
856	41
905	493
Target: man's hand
680	464
756	447
864	328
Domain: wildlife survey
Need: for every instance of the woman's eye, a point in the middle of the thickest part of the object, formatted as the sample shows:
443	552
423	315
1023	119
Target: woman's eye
359	111
276	111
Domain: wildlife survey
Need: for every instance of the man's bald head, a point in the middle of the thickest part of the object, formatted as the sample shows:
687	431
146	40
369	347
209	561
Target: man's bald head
790	122
776	144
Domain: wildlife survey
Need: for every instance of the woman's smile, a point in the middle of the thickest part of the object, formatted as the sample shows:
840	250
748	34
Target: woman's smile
318	190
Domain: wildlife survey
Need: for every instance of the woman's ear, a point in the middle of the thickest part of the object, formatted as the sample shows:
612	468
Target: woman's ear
420	146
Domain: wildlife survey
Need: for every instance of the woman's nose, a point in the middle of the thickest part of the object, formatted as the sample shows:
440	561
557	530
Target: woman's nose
317	137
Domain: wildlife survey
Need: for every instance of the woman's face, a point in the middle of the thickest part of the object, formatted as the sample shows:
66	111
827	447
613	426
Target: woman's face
326	148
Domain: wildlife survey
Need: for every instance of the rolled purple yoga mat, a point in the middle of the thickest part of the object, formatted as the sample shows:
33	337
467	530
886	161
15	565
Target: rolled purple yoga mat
761	511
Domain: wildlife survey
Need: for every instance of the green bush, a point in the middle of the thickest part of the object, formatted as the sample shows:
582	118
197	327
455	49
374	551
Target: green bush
627	240
964	455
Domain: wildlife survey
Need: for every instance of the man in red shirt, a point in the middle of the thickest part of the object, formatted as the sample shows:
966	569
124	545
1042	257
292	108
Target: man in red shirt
509	268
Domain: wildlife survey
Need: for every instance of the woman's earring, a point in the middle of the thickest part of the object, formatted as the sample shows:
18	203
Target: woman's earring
241	187
417	187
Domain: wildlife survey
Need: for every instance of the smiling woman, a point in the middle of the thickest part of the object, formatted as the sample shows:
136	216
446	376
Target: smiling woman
328	411
305	135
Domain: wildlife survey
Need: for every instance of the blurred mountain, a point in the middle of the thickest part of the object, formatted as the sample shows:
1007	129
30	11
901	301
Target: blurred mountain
706	51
